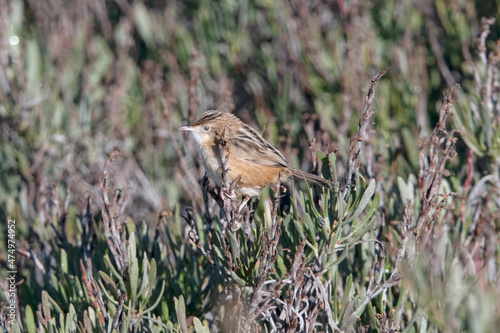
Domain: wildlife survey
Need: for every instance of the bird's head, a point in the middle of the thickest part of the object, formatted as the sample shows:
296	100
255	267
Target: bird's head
210	125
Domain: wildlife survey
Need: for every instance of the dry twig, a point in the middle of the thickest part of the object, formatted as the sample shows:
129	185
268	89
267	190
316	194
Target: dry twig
115	234
364	128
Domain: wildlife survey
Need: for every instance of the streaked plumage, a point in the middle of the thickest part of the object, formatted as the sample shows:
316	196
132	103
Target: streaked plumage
250	155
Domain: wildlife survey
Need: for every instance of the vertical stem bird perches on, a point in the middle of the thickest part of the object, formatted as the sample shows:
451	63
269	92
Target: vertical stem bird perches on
226	192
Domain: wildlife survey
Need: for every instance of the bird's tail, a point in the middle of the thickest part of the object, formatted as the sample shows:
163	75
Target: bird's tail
313	179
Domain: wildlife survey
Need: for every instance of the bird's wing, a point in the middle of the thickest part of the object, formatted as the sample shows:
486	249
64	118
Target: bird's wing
248	145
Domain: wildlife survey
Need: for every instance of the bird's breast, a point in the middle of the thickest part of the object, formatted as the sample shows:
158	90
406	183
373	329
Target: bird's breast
252	175
210	157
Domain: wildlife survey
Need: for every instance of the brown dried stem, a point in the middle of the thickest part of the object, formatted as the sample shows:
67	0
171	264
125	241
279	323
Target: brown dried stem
433	166
115	236
94	291
483	35
364	128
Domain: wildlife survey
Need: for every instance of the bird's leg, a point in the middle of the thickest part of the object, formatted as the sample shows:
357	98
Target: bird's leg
243	203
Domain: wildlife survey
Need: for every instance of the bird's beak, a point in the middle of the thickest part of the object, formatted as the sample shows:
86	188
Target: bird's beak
186	128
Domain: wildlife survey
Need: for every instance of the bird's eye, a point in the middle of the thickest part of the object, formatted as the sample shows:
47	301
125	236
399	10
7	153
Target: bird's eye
206	128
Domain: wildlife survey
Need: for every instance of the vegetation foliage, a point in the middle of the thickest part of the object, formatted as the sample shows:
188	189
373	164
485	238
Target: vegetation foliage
118	229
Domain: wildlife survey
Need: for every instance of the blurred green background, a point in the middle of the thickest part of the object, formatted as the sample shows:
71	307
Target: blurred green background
82	78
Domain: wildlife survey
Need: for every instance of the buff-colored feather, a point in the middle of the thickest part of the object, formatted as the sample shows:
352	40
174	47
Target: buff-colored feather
251	158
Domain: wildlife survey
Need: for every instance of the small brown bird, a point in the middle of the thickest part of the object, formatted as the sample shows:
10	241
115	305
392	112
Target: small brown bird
251	158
